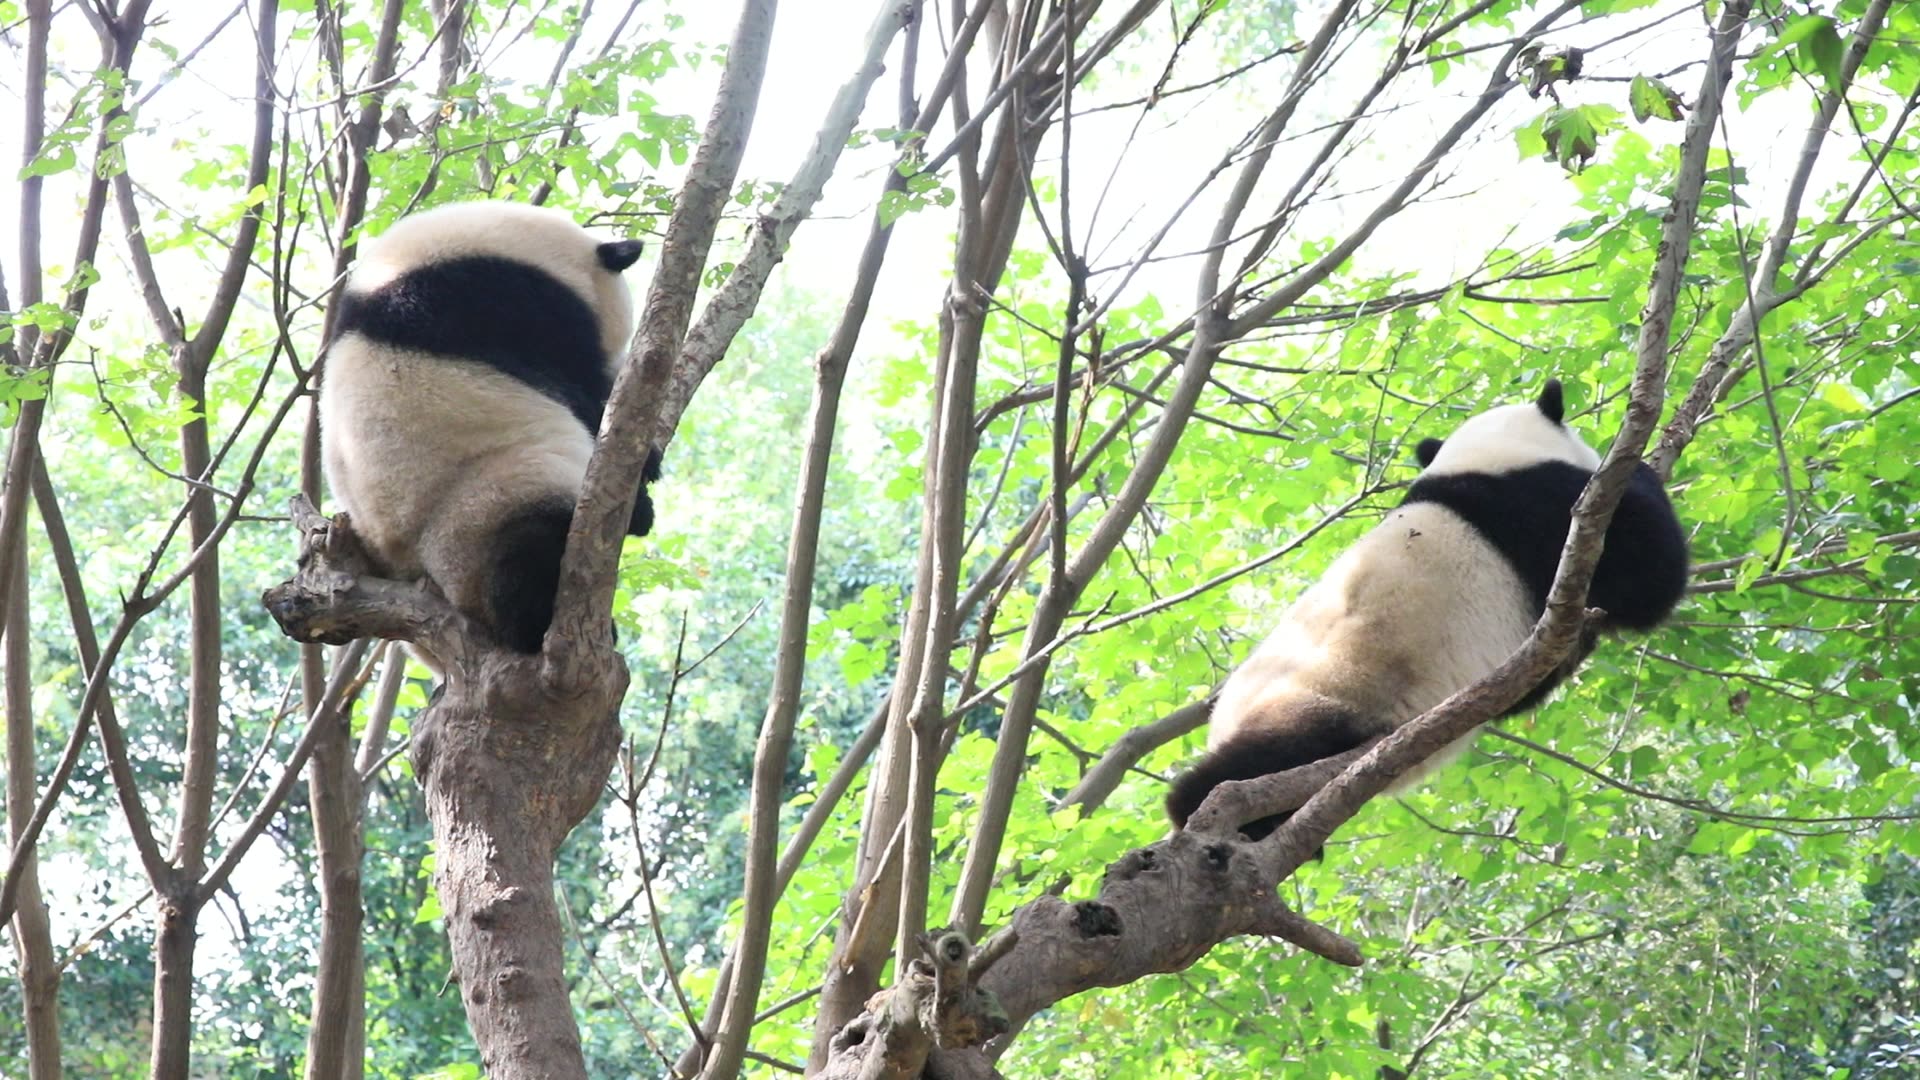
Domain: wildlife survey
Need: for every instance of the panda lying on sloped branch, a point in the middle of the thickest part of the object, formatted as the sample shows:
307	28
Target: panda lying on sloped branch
471	356
1434	598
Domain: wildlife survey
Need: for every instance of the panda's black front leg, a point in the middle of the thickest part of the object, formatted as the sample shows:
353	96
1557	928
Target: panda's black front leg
1589	638
1643	568
641	523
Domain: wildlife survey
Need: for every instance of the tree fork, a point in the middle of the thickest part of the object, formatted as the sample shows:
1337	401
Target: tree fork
510	764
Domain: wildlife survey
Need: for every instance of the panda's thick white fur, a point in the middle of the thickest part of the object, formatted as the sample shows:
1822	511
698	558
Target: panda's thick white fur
472	352
1433	598
1350	639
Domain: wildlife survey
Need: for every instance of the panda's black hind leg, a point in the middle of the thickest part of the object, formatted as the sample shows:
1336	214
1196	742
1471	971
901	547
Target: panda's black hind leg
526	574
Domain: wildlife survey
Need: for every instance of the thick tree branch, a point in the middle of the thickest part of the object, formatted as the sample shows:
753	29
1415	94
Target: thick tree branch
335	598
937	1002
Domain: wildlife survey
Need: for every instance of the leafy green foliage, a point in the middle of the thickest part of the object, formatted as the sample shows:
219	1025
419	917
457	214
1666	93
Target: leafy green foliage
923	191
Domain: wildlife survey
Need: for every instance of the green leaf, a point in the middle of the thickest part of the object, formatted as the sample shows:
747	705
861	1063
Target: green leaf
1572	134
1652	99
1841	397
54	158
1816	40
1643	762
1802	28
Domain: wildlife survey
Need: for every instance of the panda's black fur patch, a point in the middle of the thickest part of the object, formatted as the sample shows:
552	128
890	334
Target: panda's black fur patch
1525	514
497	312
1312	734
527	549
641	523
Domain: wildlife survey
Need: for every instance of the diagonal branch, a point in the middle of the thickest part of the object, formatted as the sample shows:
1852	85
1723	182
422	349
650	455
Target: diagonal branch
581	635
1565	616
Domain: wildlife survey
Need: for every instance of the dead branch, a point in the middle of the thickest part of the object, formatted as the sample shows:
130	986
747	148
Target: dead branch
937	1002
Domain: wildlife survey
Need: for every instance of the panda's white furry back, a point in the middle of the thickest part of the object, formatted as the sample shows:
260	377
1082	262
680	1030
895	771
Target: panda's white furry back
1435	597
470	359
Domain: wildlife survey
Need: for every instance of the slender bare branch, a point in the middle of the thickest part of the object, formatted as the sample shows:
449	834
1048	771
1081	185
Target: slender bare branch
347	671
1766	295
763	881
39	974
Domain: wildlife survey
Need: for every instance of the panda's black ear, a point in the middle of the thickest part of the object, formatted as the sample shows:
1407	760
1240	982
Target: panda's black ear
1552	403
617	255
1427	451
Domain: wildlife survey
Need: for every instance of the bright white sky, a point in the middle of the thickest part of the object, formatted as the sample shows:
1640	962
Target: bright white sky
815	43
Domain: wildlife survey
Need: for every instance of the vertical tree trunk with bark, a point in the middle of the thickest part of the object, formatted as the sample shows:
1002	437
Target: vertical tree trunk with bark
336	1038
32	934
510	766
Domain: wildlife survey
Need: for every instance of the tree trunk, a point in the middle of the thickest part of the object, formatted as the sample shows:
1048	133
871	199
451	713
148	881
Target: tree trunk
32	936
510	766
335	1040
175	936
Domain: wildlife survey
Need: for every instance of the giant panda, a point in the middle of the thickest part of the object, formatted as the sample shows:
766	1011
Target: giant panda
470	357
1436	596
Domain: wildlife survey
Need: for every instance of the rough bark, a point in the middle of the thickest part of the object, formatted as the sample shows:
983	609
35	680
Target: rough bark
509	767
335	1038
1158	910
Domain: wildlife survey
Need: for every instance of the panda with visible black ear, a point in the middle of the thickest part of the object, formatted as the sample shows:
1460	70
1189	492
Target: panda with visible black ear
1434	598
471	355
